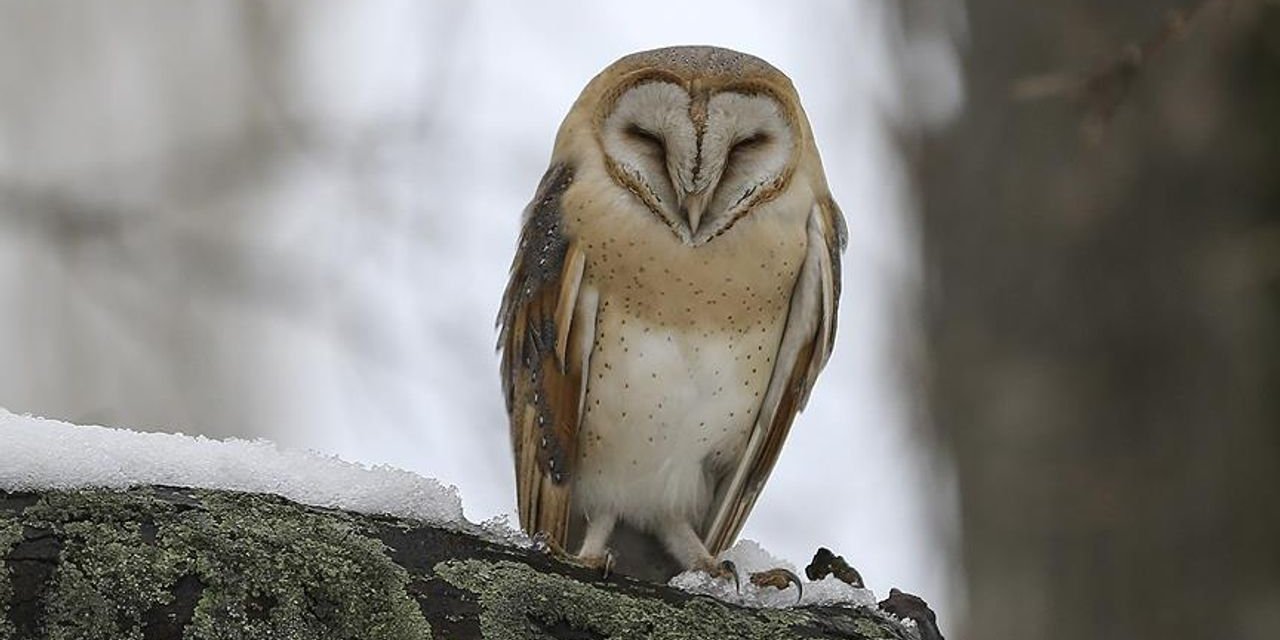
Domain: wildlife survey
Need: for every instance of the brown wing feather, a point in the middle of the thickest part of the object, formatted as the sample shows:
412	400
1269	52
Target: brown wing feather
804	350
541	371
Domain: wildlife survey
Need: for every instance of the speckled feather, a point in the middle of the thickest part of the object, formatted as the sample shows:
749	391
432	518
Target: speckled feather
542	390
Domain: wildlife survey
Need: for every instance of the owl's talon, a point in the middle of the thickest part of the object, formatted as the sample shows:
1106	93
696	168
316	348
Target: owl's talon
727	566
778	579
721	570
603	562
608	563
542	542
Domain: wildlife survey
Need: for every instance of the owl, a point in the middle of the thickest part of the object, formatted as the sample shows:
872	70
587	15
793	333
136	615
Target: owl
672	300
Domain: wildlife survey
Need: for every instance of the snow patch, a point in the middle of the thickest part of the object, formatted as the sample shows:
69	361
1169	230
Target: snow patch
499	530
750	557
38	454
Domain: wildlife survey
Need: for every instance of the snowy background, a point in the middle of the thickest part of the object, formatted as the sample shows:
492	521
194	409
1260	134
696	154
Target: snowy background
265	220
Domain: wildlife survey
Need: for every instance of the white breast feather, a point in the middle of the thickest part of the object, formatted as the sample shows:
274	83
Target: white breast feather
664	409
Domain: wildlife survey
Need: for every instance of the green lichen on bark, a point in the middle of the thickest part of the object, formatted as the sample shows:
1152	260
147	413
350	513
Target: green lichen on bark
315	574
110	580
266	568
168	563
870	629
519	603
10	534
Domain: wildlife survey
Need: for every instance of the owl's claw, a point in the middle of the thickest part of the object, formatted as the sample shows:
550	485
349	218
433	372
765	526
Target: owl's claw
732	569
608	563
779	579
604	562
543	542
723	569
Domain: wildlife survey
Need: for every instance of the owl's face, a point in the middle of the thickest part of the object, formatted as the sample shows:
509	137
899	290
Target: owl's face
698	154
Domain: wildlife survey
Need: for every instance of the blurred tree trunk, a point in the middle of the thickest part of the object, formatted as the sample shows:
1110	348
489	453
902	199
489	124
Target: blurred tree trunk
1101	231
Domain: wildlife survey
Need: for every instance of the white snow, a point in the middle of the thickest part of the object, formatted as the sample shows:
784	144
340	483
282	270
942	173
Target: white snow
750	557
37	454
499	530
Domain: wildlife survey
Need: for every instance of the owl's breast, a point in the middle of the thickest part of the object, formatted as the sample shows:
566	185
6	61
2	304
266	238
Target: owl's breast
685	344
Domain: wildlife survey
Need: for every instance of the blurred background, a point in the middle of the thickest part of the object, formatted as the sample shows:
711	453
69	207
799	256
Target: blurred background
1053	409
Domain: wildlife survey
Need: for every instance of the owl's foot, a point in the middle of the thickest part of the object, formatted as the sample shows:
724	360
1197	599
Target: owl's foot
603	562
723	570
778	579
543	542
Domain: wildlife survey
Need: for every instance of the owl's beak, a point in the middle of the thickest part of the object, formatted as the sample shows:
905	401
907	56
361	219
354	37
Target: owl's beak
692	208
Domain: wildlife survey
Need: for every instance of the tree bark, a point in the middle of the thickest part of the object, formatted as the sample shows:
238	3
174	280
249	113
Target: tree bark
159	563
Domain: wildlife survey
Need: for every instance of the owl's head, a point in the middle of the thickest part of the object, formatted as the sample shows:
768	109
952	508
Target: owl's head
700	135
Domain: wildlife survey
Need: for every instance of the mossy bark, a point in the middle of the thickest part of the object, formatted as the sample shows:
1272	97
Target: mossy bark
158	563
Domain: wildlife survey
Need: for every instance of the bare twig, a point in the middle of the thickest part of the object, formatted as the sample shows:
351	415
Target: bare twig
1103	90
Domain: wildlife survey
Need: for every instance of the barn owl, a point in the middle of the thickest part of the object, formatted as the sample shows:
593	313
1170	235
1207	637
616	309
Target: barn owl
672	300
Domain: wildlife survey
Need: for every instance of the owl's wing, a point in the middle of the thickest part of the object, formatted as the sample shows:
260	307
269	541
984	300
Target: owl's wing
545	338
804	350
